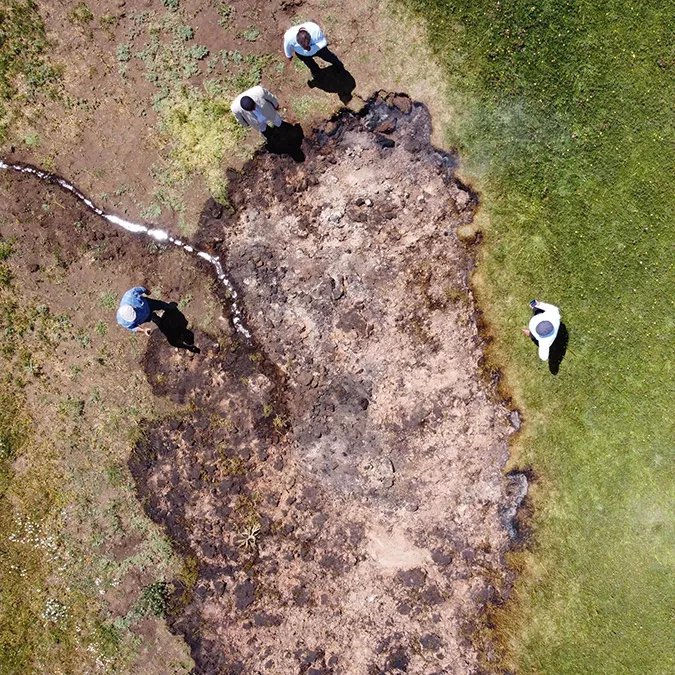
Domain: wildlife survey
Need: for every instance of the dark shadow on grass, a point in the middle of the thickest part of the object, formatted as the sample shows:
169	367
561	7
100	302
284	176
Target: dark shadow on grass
173	326
285	140
558	349
335	80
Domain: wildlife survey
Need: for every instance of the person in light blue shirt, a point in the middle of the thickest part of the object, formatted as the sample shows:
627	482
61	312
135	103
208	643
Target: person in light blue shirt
136	309
307	41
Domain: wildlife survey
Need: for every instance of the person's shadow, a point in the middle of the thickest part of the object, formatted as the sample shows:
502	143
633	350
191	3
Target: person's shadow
285	140
334	80
173	325
558	349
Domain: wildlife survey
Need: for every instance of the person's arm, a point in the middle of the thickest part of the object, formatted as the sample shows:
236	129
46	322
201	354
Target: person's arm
240	118
546	306
288	47
140	290
317	36
269	96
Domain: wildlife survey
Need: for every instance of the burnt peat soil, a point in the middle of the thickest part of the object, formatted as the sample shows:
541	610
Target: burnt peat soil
334	484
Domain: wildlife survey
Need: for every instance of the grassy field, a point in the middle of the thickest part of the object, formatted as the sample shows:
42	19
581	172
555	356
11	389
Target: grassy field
66	499
564	118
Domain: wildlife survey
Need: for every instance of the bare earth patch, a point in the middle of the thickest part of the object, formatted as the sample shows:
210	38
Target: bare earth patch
337	482
105	132
334	486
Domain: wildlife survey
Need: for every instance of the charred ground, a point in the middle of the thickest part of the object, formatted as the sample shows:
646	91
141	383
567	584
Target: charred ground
334	486
337	482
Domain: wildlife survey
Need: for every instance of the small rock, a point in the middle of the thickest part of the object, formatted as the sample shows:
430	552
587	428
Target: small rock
266	620
441	557
387	127
384	141
430	642
403	103
413	578
338	290
244	594
468	555
305	379
514	418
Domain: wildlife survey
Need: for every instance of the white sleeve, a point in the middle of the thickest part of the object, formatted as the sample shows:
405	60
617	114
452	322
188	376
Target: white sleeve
547	307
238	116
318	38
269	96
288	44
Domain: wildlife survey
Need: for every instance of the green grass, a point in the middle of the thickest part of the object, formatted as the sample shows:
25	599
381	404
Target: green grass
53	567
80	14
195	121
202	133
24	71
563	114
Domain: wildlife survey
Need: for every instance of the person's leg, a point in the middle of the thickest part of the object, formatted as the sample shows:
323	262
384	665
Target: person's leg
276	120
327	55
157	304
310	62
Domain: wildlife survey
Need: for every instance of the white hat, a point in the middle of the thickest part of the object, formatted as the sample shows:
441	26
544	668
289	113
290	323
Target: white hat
127	313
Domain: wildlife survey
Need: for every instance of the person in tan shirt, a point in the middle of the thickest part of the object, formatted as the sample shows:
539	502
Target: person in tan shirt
255	108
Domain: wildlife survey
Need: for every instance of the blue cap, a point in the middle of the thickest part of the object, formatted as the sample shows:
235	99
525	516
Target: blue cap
544	329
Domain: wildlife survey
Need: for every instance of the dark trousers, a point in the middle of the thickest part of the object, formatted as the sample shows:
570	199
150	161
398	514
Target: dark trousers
324	54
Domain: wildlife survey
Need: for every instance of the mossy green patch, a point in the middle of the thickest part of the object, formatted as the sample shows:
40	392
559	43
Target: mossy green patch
202	133
195	121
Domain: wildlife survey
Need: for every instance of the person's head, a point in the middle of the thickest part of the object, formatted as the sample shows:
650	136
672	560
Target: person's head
247	103
127	313
304	39
544	329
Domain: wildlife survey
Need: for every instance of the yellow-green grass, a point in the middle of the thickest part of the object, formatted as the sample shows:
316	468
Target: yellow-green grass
67	503
23	68
565	125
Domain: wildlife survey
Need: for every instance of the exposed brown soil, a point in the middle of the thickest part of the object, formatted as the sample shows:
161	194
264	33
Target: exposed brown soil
103	134
355	428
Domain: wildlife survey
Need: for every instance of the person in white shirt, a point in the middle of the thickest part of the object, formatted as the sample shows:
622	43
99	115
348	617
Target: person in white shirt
307	41
544	326
255	108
